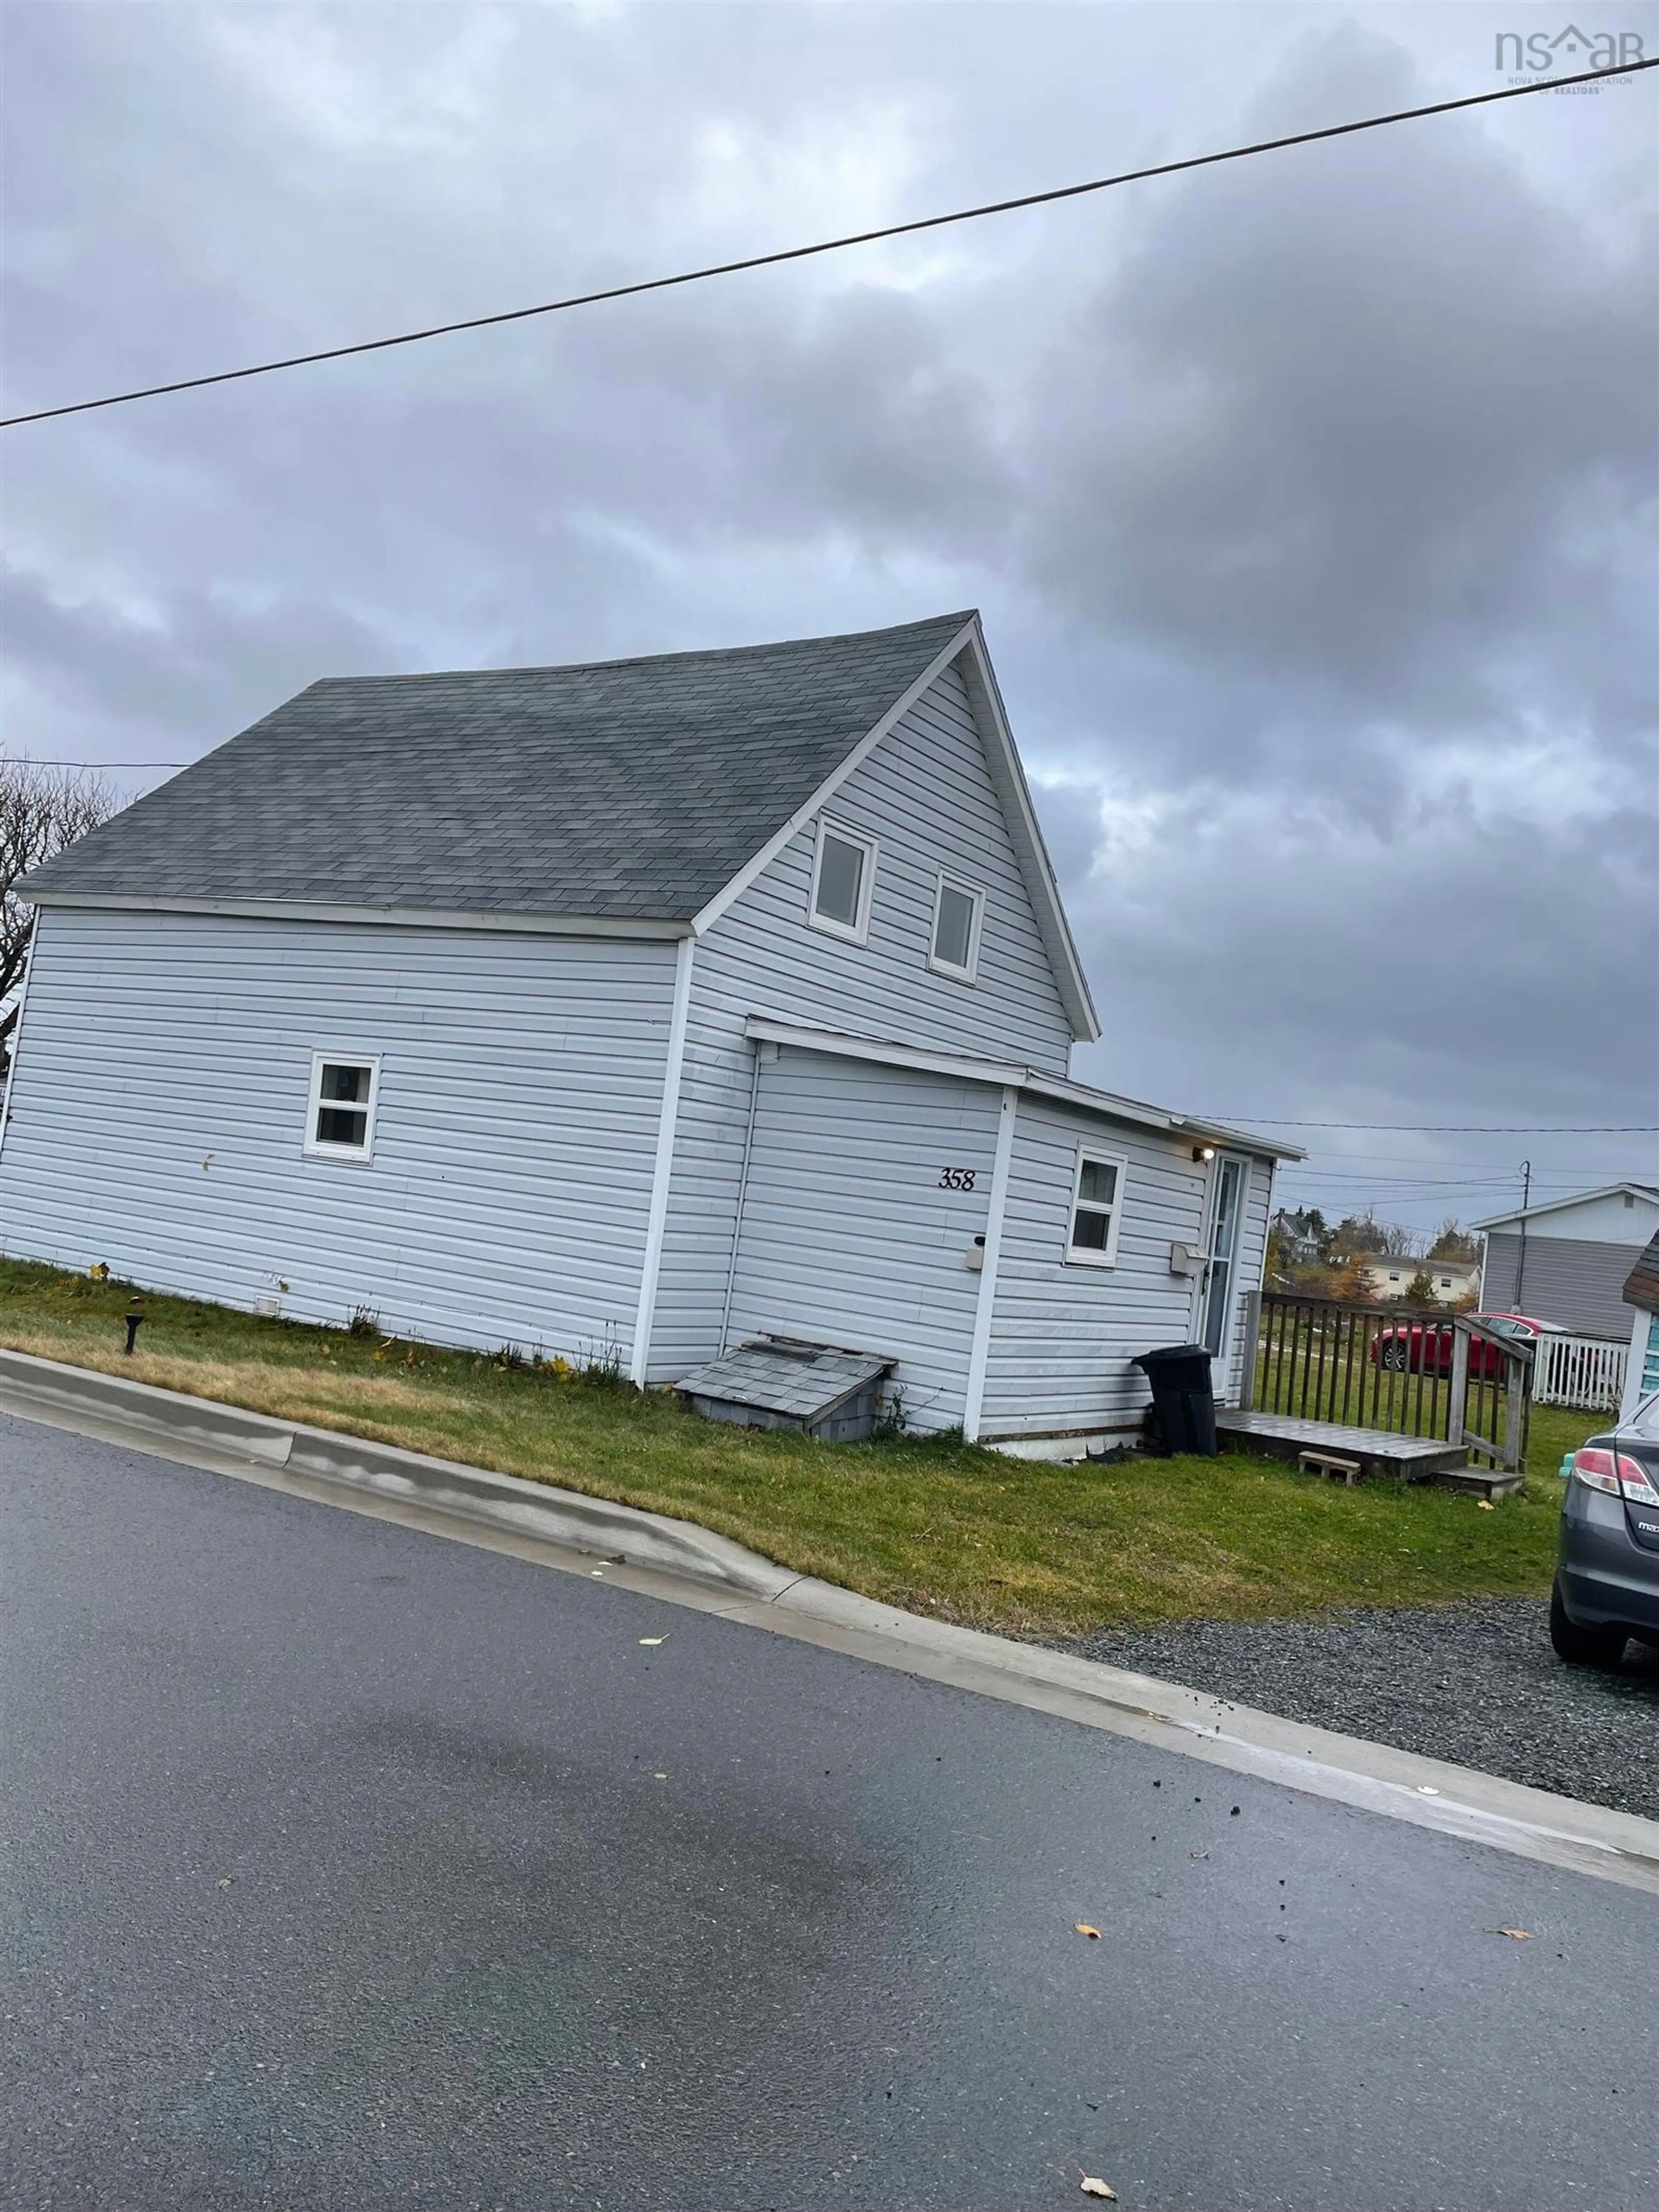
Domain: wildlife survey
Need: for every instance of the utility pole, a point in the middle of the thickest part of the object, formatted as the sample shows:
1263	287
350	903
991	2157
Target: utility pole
1521	1263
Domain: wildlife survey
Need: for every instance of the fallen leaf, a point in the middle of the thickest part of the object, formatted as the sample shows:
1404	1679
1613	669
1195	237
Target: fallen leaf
1084	1929
1485	1505
653	1639
1520	1934
1094	2186
225	1881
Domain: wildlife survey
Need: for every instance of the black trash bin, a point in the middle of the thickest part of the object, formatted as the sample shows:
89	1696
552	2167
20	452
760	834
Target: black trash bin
1182	1398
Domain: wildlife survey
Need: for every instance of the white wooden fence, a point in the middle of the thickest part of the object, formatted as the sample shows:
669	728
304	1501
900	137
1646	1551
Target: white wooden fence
1586	1371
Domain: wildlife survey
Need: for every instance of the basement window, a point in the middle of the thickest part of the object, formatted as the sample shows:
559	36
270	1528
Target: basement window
1096	1207
843	872
957	908
340	1116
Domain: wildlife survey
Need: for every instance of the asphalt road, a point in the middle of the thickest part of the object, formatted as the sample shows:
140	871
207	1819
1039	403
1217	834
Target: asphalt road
346	1867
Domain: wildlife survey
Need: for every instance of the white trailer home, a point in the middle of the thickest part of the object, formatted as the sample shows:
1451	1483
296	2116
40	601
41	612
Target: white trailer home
661	1005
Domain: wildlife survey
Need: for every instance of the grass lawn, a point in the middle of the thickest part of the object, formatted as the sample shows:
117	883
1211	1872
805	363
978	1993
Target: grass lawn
937	1527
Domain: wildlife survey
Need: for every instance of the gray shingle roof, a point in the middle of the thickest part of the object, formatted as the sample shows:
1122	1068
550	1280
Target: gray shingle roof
622	789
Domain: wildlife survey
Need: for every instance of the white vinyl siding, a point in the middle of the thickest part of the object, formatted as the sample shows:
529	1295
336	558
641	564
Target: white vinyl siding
1062	1336
519	1082
850	1234
926	796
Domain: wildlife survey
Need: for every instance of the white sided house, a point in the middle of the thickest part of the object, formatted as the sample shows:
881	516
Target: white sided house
1567	1260
651	1007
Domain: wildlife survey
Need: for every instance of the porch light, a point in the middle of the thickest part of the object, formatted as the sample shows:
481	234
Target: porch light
1203	1151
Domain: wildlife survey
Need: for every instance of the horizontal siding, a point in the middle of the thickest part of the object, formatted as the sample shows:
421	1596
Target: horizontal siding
1062	1336
159	1112
1575	1281
846	1237
926	796
1248	1272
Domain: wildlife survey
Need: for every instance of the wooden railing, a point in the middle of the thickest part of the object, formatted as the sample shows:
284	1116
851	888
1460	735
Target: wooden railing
1408	1371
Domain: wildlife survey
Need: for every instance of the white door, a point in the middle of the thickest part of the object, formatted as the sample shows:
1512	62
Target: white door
1220	1293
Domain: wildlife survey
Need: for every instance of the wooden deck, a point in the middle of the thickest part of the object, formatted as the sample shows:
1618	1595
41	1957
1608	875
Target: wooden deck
1282	1435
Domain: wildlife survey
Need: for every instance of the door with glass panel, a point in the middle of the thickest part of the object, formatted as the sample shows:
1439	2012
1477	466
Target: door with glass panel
1221	1274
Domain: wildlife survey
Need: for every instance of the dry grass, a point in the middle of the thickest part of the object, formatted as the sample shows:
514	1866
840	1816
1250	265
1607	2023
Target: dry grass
936	1525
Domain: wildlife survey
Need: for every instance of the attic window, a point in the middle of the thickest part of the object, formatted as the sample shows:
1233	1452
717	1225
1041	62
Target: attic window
843	872
957	908
340	1115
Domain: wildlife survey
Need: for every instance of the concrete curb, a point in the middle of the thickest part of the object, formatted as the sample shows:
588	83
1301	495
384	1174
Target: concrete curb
682	1564
566	1518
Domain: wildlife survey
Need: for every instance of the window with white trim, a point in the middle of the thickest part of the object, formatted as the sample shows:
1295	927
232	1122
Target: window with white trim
959	908
843	873
340	1113
1097	1209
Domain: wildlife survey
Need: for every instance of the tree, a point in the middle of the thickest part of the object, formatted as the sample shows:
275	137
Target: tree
41	811
1419	1292
1355	1232
1453	1242
1350	1283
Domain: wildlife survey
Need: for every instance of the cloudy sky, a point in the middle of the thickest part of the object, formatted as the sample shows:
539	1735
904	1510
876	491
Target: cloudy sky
1310	502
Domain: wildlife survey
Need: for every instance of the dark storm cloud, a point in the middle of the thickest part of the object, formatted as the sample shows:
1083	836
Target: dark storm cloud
1371	433
1309	502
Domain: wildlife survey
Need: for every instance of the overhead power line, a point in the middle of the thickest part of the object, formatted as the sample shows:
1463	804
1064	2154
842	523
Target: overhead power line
15	760
828	245
1465	1128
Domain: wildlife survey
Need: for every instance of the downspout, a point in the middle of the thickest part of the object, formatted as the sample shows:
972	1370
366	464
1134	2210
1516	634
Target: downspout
17	1028
743	1188
662	1173
979	1357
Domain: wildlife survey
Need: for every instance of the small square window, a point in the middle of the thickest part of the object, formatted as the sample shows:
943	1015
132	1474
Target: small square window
957	908
1096	1207
843	874
340	1114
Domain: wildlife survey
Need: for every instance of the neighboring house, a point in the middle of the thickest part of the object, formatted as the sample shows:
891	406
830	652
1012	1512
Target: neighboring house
1297	1245
1567	1261
647	1006
1642	1294
1450	1280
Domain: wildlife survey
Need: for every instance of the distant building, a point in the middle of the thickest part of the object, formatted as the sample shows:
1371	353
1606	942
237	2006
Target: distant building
1568	1261
1451	1280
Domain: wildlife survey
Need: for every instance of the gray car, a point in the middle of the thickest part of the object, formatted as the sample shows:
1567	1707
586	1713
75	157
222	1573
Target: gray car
1606	1561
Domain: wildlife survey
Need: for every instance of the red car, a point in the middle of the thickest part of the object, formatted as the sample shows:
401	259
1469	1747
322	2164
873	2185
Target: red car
1421	1347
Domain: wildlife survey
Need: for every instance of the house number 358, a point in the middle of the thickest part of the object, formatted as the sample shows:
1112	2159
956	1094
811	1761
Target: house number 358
955	1179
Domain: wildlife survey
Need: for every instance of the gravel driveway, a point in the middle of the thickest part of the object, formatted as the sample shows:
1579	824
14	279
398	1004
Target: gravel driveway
1475	1683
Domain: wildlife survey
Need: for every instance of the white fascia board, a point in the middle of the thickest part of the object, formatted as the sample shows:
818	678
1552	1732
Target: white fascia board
702	921
1559	1205
1240	1140
1108	1104
884	1052
1008	774
488	918
892	1052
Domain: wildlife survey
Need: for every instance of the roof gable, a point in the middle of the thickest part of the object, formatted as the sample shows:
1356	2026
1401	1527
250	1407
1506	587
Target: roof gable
1642	1190
633	789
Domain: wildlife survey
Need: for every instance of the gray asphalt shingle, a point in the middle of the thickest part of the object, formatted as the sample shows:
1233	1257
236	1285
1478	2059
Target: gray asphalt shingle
628	788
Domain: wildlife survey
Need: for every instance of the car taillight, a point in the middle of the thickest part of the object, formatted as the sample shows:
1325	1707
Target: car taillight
1615	1474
